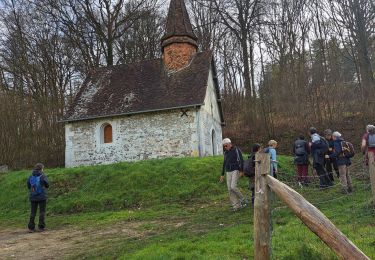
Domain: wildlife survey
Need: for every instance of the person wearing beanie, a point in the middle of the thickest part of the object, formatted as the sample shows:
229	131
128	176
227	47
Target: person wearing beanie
37	184
343	163
318	147
233	169
330	164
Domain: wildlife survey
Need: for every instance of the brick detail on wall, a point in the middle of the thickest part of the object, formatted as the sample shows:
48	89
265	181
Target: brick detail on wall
178	55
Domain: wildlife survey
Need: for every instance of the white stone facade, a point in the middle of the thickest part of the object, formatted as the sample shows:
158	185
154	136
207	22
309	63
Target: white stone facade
152	135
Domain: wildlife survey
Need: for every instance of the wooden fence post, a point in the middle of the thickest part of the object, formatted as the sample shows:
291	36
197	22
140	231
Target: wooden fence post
371	164
262	209
316	221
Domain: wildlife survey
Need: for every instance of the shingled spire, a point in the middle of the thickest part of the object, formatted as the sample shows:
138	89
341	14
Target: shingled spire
179	43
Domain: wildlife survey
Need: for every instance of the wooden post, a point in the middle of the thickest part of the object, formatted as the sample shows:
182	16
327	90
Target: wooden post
316	221
262	209
371	164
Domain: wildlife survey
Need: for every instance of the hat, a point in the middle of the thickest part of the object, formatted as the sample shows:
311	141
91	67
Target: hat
336	134
226	141
328	132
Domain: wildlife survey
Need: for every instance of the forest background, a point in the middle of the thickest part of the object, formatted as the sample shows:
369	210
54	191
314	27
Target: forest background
283	65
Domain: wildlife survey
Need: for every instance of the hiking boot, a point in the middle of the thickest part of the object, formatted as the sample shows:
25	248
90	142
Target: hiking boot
31	230
42	229
344	191
236	209
244	203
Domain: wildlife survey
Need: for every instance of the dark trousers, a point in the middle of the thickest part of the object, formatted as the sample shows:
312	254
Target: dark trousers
302	171
324	179
42	214
328	164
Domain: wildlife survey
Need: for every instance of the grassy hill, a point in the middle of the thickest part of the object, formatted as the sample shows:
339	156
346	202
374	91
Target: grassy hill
177	209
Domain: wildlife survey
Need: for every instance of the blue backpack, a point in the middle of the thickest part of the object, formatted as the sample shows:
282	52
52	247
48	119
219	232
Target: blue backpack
36	186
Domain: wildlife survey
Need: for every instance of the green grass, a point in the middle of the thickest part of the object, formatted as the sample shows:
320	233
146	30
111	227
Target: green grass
181	210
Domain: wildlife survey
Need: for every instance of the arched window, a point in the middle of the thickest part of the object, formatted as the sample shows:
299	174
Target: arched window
107	133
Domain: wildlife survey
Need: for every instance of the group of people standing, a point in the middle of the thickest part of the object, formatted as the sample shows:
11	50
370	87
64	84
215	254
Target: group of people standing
234	167
330	154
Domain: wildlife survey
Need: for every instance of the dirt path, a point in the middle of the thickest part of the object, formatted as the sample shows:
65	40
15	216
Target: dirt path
60	243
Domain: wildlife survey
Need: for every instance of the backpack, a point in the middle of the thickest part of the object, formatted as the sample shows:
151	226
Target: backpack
325	145
249	167
300	147
347	149
36	185
371	140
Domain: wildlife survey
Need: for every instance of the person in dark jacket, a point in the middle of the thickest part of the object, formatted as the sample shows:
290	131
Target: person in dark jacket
343	163
330	163
255	149
233	167
319	147
301	151
37	184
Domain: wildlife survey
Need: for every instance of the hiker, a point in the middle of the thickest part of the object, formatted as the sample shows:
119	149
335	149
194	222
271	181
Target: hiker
37	184
330	163
271	149
368	142
343	163
233	166
319	147
301	151
249	169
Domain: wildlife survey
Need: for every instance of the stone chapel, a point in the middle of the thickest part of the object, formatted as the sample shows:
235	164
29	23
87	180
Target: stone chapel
166	107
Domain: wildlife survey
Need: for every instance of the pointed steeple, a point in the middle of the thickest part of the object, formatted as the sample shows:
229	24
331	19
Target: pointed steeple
179	43
178	25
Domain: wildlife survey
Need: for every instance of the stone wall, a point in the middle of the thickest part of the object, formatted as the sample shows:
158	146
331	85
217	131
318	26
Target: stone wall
211	132
136	137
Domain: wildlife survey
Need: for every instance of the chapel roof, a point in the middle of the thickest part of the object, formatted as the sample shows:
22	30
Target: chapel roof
178	24
142	87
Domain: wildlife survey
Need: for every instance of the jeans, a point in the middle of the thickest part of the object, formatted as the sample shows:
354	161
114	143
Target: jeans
324	179
235	194
42	214
328	164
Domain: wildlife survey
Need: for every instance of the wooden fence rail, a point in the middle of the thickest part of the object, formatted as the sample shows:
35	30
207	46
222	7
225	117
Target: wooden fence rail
314	219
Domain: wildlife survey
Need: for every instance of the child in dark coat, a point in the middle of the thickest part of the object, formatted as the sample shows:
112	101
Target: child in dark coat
37	184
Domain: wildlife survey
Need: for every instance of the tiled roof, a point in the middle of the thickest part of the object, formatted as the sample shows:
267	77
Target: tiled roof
178	22
141	87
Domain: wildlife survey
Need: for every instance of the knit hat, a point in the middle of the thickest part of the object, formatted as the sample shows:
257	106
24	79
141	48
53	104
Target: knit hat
226	141
336	134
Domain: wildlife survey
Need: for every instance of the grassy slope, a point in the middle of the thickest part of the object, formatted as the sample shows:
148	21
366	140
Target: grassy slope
186	194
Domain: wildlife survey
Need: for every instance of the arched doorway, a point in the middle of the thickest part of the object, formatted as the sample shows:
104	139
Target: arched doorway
213	142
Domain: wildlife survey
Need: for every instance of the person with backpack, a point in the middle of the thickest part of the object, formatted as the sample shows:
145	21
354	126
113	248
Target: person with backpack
368	142
330	163
233	167
301	151
37	184
342	153
318	147
249	169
